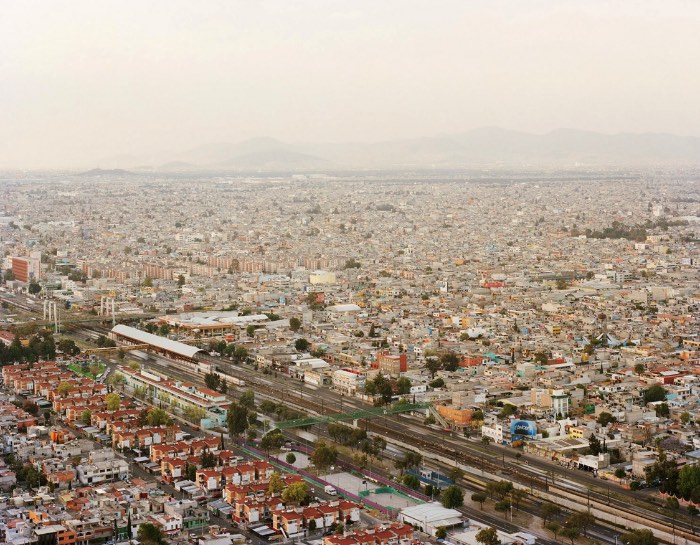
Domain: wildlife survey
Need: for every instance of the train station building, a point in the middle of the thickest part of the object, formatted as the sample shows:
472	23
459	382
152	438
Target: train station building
171	349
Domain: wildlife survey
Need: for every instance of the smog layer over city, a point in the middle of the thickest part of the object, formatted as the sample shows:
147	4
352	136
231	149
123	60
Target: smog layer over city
349	273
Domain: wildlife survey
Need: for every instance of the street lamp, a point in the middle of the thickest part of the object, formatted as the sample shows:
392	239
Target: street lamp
511	507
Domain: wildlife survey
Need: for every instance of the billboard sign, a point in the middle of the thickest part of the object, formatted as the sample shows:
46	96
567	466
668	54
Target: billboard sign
523	427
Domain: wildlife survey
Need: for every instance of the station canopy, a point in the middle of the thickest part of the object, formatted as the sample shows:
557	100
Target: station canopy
174	347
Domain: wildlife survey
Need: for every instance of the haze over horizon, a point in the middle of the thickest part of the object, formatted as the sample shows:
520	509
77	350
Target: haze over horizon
84	81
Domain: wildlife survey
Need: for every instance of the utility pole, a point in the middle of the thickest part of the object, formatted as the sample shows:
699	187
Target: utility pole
589	499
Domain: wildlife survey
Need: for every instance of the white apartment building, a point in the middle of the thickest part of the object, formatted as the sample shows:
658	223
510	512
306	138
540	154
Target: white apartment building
493	432
103	465
349	381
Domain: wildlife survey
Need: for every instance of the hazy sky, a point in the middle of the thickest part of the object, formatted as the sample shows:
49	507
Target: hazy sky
82	80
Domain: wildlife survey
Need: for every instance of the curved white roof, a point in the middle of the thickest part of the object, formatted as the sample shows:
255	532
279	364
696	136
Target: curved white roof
181	349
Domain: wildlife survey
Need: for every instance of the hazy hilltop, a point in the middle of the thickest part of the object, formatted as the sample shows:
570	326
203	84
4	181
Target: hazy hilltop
485	146
98	172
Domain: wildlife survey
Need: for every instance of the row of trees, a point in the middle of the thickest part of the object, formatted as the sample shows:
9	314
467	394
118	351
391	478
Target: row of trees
229	350
242	415
25	473
346	435
163	329
213	381
40	346
105	342
279	410
683	484
447	361
380	386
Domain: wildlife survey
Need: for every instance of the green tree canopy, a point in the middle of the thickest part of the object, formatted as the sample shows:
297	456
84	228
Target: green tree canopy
452	497
411	481
158	417
410	460
404	385
502	506
581	520
507	411
275	485
295	493
480	498
68	346
294	324
247	399
212	381
655	392
499	489
688	480
208	459
548	510
595	445
571	532
272	440
112	401
488	536
662	410
237	419
449	361
639	537
554	527
150	533
64	389
324	455
605	418
432	365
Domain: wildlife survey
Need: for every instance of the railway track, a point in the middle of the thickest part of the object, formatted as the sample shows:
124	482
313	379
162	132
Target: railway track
468	454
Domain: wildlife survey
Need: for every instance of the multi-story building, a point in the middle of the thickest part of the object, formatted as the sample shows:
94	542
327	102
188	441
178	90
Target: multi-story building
27	269
349	381
391	365
103	465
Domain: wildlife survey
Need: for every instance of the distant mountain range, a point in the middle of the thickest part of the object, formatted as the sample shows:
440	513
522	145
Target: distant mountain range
105	172
479	147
